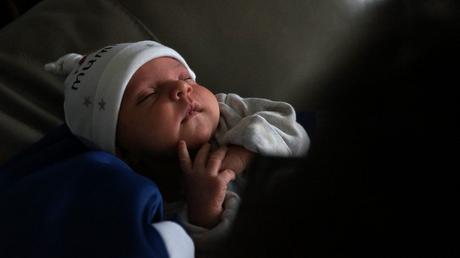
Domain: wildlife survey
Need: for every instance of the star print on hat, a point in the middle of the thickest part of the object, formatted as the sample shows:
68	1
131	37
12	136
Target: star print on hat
95	85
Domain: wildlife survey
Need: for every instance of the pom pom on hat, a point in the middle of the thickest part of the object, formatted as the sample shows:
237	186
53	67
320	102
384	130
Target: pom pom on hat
64	65
95	85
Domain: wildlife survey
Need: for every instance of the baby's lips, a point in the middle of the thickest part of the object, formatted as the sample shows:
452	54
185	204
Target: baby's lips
190	111
185	115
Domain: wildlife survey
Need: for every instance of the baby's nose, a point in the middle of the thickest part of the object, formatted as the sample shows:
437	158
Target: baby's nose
179	90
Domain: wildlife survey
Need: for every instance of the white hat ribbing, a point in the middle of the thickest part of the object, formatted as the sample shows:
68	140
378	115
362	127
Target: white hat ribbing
95	85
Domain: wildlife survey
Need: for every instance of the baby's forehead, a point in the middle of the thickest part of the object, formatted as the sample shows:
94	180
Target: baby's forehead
160	68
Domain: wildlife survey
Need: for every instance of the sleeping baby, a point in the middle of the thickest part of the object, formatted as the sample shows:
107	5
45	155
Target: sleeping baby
141	101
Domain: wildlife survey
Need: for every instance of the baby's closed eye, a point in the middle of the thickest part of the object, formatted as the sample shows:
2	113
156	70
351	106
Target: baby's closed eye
147	94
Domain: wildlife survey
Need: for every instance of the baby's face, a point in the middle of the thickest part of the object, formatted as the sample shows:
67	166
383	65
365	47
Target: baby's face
162	105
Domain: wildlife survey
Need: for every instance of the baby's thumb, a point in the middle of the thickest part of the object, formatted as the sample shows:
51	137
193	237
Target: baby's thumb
64	65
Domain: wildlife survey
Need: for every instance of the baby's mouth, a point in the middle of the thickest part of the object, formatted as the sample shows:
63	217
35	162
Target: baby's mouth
191	111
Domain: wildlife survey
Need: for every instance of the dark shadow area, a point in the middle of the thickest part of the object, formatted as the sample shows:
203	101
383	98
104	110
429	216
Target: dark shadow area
12	9
380	179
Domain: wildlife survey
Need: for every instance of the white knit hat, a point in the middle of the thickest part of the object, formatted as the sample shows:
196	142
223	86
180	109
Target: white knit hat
95	85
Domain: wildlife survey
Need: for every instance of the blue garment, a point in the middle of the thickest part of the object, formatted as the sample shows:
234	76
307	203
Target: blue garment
59	199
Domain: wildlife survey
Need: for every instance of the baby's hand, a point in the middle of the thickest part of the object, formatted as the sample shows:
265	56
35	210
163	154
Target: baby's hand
206	184
237	159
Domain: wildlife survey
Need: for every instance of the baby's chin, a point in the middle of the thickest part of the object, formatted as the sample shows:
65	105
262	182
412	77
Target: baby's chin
197	142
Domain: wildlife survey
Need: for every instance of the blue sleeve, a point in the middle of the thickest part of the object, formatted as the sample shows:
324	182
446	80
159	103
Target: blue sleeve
88	205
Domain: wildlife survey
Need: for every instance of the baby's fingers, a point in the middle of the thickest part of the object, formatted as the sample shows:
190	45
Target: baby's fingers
184	157
202	156
227	175
215	160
